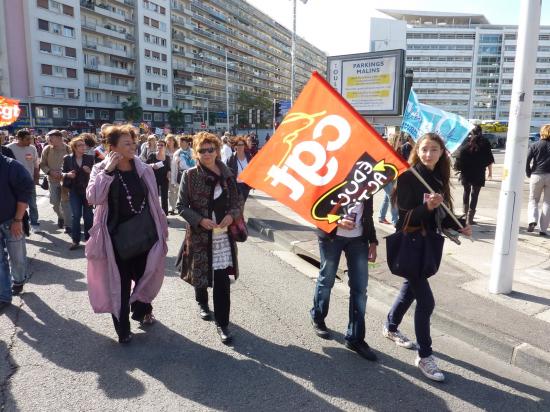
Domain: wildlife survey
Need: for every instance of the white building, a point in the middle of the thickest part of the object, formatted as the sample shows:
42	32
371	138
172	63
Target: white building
462	63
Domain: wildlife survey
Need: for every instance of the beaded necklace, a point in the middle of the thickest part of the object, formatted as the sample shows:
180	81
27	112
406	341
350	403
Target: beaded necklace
129	197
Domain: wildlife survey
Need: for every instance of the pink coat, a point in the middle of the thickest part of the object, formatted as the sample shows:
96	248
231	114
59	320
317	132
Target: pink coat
103	274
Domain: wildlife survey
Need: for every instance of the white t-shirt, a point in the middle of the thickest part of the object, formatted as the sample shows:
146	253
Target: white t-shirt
226	153
241	165
354	210
26	155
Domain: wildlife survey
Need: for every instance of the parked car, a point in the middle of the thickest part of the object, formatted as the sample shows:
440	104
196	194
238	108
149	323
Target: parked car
533	138
495	141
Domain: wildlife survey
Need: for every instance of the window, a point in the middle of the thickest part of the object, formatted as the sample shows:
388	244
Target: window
60	91
71	73
119	115
164	73
155	23
40	111
72	94
147	117
42	3
48	91
57	50
68	10
165	103
104	114
58	71
158	117
55	6
72	113
147	53
89	114
163	56
149	100
46	69
55	28
68	31
146	20
45	47
70	52
43	25
57	112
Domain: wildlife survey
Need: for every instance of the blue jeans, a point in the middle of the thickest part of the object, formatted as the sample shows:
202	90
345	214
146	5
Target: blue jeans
419	290
387	203
16	249
357	255
80	208
33	209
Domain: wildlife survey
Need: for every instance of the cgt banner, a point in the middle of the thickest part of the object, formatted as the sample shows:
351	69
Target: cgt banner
322	157
9	111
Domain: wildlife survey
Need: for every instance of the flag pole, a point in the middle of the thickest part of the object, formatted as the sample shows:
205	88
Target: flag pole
449	212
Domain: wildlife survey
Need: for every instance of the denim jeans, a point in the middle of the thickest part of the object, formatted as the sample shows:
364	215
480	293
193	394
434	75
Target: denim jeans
60	206
357	254
16	250
33	209
387	203
419	290
80	208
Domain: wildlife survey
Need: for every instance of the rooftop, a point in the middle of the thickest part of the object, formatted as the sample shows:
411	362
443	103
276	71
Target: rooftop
435	17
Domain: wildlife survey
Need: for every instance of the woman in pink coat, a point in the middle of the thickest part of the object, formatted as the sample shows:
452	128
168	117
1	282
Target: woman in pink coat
128	239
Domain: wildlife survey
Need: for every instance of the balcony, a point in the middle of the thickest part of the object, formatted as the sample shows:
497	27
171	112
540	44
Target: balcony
108	49
117	87
109	69
107	31
103	10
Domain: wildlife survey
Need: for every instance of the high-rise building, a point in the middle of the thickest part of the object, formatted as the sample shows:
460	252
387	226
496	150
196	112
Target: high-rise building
73	63
462	63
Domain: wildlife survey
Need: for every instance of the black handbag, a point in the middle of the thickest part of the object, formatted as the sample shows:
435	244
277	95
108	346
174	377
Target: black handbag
413	252
135	236
238	230
45	184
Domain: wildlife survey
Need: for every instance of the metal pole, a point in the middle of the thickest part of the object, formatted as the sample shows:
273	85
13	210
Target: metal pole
274	108
227	90
30	114
293	54
207	115
506	238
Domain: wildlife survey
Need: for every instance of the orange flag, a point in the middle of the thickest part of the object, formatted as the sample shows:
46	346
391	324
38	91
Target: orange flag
323	157
9	111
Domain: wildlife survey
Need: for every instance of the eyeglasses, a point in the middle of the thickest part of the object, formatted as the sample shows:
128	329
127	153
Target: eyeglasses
206	150
241	144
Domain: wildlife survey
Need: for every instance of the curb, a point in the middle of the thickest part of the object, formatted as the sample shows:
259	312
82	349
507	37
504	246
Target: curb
490	341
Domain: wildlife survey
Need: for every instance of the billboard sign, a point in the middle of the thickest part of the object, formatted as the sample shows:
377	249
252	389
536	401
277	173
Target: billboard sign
371	82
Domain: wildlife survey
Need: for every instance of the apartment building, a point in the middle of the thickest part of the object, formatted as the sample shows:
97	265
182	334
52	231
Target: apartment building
72	63
462	63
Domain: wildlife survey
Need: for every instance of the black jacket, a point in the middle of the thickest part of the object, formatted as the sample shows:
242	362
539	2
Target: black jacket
410	196
369	231
472	164
539	155
233	165
80	182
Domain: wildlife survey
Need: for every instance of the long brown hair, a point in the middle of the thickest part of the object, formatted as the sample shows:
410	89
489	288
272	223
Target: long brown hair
443	166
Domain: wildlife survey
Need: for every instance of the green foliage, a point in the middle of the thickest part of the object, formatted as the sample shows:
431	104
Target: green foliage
176	119
132	110
247	100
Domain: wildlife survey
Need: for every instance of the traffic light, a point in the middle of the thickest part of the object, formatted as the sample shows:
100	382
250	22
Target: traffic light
277	109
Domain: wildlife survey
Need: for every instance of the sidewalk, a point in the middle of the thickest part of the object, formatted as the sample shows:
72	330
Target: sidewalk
514	328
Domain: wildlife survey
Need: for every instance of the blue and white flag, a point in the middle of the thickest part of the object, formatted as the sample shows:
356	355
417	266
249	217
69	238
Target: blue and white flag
420	118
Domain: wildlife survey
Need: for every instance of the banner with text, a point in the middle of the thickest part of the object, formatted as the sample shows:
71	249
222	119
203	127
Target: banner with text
420	118
322	157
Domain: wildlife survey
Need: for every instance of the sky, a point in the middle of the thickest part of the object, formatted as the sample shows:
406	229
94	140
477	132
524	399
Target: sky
340	26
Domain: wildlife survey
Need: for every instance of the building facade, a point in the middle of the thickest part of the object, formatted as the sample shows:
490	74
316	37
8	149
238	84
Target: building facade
73	63
462	63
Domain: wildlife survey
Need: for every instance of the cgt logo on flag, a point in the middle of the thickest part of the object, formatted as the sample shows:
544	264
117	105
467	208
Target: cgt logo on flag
9	111
323	157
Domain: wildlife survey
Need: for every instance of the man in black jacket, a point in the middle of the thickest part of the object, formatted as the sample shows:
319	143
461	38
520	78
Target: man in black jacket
17	185
538	170
356	237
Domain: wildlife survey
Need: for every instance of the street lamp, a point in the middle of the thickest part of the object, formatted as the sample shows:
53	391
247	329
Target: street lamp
227	91
293	53
207	109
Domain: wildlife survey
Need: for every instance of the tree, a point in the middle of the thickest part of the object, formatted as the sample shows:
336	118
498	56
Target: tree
176	119
247	100
131	109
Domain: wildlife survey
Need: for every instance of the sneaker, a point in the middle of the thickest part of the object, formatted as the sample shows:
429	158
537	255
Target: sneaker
429	368
204	312
60	223
16	289
74	246
399	339
543	234
385	221
363	349
320	329
531	226
35	229
68	230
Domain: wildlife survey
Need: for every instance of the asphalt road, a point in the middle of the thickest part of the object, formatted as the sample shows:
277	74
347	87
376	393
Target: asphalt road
55	354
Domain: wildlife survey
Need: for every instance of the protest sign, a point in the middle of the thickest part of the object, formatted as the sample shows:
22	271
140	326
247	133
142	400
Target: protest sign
323	157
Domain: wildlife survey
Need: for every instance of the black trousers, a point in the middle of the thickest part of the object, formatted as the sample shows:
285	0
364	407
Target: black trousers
221	295
130	270
163	191
474	191
243	190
